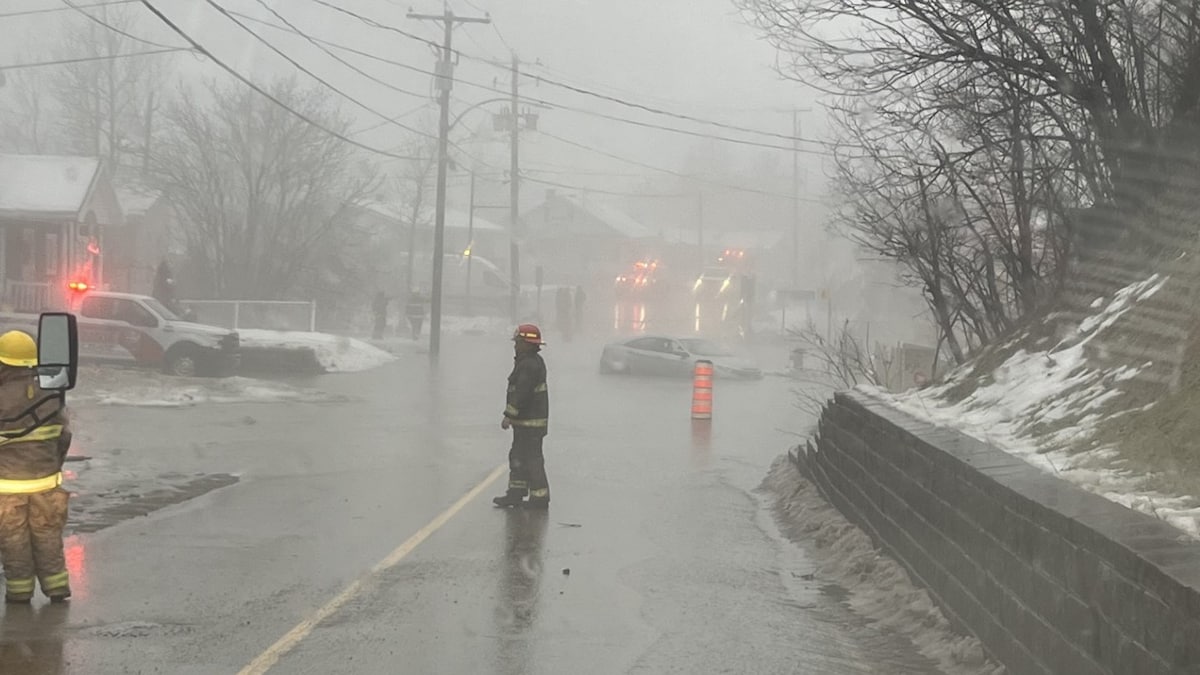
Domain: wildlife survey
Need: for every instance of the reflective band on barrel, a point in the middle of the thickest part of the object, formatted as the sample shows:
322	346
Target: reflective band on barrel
29	487
702	395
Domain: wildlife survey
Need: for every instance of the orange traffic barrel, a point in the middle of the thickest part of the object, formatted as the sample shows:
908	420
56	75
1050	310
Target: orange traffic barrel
702	386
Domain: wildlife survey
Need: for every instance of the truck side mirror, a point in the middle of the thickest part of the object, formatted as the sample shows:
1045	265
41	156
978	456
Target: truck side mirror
58	351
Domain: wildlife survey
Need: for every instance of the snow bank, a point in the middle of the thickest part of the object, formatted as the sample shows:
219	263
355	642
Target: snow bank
175	392
1038	404
335	353
879	587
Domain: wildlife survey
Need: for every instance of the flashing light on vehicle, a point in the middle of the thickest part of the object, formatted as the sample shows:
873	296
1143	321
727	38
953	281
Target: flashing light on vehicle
467	252
78	286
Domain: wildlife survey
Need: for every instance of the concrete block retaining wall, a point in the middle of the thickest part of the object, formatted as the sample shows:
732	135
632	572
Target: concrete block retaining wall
1051	578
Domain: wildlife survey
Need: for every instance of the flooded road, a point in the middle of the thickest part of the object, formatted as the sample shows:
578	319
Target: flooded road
355	535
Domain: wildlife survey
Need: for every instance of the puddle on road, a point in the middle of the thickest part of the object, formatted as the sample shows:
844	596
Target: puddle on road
136	629
91	512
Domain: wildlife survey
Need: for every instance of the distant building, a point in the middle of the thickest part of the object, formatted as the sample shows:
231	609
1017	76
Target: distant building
580	240
141	242
54	212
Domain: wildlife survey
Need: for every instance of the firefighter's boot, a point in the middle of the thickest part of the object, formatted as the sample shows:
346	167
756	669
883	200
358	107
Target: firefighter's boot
511	499
539	499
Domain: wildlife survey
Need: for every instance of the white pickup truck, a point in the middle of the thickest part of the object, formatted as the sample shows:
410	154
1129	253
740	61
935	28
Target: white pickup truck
139	330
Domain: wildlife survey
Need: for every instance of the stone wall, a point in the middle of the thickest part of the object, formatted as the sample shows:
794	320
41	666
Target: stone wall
1051	578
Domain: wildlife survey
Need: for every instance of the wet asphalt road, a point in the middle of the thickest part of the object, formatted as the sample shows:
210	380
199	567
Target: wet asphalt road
674	566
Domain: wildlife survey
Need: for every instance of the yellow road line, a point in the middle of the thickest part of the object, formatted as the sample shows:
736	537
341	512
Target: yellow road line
266	660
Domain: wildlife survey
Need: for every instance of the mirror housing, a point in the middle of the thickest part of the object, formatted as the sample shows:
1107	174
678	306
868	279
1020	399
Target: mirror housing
58	351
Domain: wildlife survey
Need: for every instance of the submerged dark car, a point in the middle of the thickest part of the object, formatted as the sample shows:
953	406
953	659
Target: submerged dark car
674	357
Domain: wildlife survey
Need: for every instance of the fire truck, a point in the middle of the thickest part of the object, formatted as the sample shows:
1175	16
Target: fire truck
642	280
723	296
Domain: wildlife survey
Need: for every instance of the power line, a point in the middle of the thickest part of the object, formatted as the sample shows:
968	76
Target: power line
80	9
660	111
567	186
586	92
423	106
87	59
582	111
50	10
246	81
337	58
672	172
296	64
375	24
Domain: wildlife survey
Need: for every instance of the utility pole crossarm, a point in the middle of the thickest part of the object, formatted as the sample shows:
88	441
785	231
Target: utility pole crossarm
449	16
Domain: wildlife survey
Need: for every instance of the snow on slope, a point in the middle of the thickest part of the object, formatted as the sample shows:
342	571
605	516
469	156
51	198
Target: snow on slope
1055	389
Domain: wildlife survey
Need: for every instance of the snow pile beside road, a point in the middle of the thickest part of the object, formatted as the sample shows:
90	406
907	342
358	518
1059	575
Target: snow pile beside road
160	391
879	587
335	353
1037	405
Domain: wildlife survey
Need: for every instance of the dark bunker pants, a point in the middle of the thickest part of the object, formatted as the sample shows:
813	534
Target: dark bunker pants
527	465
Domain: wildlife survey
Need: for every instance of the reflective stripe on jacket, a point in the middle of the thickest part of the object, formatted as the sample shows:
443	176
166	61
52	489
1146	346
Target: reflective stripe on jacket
528	401
30	486
39	454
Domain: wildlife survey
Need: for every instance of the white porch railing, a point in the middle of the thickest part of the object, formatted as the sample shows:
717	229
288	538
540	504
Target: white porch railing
288	315
28	296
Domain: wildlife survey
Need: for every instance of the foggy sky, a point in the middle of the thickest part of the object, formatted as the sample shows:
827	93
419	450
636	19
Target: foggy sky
692	56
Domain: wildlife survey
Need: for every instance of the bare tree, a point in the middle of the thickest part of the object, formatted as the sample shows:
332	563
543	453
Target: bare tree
267	197
835	364
106	107
413	183
27	114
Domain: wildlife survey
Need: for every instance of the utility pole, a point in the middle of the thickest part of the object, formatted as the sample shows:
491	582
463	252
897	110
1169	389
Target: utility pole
445	81
470	241
514	195
796	128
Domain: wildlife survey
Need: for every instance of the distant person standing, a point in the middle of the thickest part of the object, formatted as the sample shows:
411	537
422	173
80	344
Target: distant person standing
580	299
562	305
164	285
379	309
415	311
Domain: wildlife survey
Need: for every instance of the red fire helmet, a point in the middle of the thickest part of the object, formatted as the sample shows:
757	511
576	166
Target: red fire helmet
528	332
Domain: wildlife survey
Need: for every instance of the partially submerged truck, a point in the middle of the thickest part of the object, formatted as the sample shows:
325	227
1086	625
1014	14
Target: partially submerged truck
138	330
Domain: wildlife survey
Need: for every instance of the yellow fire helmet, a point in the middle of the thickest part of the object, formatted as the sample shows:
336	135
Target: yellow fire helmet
18	349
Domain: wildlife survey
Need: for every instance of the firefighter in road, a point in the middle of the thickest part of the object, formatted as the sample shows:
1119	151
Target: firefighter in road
527	414
34	439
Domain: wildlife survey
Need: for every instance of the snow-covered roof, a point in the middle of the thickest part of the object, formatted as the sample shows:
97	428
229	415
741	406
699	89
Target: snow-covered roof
45	186
618	220
455	220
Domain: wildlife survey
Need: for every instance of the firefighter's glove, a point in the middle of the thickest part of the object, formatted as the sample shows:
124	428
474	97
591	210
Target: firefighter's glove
505	423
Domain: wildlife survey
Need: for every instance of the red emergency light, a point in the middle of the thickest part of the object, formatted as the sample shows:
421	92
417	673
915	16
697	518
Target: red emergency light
78	286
